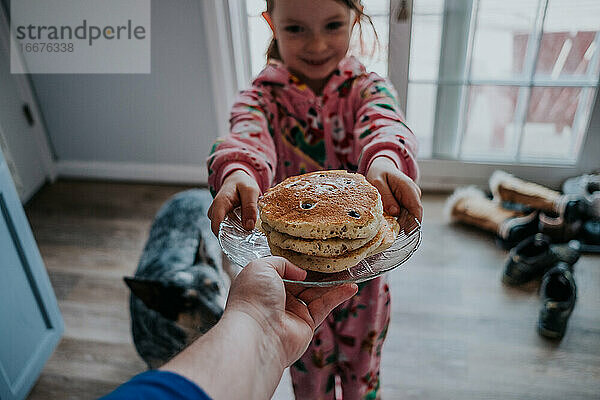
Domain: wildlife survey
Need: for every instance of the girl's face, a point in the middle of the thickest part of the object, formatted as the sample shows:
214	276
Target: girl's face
312	35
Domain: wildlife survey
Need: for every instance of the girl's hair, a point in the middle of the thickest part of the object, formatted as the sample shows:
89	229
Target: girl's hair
355	5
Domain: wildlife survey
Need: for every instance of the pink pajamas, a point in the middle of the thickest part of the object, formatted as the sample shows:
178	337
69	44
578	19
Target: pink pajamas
347	344
280	128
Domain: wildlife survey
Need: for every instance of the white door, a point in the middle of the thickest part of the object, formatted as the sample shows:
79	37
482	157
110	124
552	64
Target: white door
22	138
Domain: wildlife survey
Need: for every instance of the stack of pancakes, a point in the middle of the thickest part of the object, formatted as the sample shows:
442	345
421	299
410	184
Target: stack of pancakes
326	221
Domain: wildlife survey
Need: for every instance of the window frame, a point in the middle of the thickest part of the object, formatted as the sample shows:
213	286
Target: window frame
442	171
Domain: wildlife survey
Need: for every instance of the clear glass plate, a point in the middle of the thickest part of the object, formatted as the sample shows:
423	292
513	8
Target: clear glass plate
242	246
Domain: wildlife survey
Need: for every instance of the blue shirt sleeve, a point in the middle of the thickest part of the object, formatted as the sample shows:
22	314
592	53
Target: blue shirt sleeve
154	385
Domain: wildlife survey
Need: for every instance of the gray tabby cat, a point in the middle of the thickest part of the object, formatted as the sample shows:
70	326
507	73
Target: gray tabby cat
177	291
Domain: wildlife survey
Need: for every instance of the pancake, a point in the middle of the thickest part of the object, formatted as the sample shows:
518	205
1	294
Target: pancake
315	247
392	230
331	264
323	205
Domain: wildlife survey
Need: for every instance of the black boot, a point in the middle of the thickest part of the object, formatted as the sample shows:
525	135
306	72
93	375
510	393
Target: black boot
558	293
535	255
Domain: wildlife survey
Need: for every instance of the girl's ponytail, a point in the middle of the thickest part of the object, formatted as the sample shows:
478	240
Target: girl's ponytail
273	51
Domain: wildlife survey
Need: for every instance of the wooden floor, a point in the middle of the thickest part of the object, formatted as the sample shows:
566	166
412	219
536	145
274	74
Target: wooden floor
456	333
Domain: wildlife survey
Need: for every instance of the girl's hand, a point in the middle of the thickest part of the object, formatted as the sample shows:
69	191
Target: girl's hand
239	188
395	188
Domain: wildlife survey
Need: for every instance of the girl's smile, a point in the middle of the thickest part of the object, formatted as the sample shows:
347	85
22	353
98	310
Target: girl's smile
314	62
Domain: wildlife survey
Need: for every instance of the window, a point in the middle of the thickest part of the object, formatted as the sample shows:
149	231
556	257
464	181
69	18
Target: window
511	81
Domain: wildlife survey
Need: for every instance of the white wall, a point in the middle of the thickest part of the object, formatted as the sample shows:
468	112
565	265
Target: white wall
157	127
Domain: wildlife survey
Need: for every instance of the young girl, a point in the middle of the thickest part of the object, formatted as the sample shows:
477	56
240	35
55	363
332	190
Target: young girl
313	108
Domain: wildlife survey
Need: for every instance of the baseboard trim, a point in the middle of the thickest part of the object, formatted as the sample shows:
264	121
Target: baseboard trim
127	171
436	175
447	175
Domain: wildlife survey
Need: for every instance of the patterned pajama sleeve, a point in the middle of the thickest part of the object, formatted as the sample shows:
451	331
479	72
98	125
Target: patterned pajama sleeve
249	145
380	129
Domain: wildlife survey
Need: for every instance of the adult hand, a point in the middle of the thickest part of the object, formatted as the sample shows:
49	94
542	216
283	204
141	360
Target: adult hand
288	314
395	187
239	188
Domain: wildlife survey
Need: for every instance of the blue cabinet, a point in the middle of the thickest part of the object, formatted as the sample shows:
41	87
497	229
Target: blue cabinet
30	321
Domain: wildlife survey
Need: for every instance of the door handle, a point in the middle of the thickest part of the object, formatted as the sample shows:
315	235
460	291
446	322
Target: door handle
28	115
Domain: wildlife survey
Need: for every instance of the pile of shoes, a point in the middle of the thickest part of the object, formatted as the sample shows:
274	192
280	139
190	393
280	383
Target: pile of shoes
545	230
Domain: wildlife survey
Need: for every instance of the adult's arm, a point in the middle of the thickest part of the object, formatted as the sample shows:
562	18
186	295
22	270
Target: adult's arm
266	327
